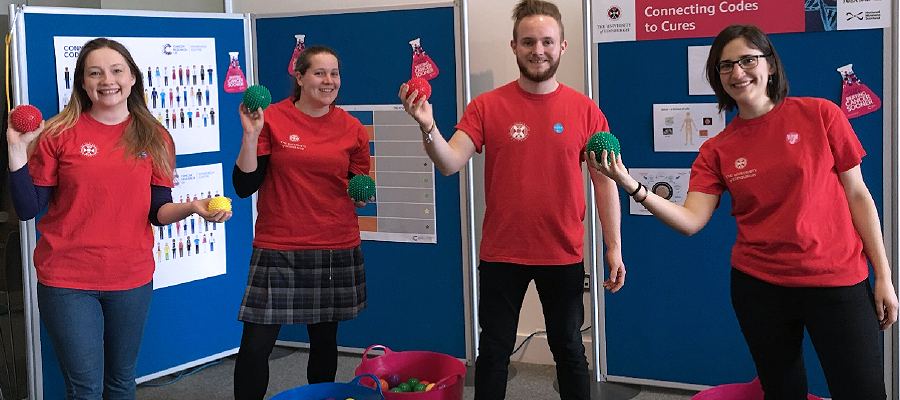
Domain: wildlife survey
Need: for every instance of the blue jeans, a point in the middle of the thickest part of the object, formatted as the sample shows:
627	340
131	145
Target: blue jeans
502	288
96	336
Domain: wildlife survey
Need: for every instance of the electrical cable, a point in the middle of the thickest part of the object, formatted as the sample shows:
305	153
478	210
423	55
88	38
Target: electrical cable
181	375
539	332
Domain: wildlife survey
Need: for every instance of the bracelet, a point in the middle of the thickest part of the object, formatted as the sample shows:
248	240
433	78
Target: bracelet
646	194
427	134
636	190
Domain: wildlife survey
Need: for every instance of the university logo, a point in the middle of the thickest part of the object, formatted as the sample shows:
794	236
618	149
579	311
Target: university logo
740	163
614	13
793	137
518	131
89	149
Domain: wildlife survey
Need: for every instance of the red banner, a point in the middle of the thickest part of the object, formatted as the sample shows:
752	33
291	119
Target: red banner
705	18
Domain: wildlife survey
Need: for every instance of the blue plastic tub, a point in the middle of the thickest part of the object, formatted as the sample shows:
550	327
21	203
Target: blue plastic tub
336	391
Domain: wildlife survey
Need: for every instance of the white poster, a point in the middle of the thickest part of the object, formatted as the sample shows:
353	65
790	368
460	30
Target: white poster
697	82
684	127
193	248
863	14
404	207
670	184
180	85
613	21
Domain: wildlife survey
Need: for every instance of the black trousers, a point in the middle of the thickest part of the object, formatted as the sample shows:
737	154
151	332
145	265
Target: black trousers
502	288
842	325
251	369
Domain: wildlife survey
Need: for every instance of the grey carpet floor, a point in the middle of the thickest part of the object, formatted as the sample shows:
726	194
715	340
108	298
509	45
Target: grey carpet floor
287	368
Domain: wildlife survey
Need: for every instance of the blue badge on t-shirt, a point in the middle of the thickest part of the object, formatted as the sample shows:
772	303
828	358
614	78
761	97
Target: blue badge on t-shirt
558	128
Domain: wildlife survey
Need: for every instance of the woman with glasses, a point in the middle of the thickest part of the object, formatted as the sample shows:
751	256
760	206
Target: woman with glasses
807	224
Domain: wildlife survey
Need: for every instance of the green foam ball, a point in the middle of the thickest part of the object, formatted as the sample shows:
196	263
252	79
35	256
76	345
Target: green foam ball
361	188
604	141
256	97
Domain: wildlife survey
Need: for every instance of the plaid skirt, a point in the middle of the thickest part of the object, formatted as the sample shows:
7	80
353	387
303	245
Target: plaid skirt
304	286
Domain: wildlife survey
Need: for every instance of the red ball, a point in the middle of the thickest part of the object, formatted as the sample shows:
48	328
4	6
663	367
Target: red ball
26	118
421	85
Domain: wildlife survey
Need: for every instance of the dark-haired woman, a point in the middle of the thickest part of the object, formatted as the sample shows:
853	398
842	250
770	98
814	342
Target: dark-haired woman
807	224
307	266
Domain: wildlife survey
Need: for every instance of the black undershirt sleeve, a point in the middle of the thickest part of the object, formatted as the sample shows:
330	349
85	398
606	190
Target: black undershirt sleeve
159	196
247	183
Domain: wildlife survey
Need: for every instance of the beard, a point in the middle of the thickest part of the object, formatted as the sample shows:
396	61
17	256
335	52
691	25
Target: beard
541	77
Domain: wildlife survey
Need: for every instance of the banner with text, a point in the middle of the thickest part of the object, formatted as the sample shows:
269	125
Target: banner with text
632	20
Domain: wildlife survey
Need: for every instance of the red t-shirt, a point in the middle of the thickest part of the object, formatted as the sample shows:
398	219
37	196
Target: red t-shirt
303	202
96	234
533	182
793	219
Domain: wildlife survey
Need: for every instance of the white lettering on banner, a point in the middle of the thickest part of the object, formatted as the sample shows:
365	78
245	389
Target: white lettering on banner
677	26
689	10
423	69
738	7
235	81
698	9
858	100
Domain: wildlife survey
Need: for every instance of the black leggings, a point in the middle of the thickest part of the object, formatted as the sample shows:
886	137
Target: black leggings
251	369
842	326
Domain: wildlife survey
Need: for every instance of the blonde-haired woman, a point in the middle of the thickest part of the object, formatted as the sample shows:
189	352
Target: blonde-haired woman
103	168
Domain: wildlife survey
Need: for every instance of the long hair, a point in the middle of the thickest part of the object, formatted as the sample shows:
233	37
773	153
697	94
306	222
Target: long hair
777	88
304	61
143	133
527	8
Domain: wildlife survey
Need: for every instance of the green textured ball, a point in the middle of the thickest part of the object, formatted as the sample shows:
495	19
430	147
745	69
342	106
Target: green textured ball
604	141
361	188
256	97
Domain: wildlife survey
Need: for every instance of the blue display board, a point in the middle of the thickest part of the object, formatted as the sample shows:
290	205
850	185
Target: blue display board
415	291
194	320
673	321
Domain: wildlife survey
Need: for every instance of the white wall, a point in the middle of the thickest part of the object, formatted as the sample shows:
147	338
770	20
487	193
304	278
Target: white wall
165	5
154	5
492	64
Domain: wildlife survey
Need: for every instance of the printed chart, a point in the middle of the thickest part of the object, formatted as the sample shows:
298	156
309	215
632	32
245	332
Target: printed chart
404	207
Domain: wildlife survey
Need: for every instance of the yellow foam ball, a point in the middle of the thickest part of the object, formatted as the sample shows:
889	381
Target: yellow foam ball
219	203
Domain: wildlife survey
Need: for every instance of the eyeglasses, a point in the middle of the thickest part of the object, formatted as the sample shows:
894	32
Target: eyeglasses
746	62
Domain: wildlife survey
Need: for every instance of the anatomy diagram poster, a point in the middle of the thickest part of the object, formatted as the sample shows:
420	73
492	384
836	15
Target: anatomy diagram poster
684	127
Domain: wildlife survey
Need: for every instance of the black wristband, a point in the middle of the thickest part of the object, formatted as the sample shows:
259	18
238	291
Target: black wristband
646	194
636	190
